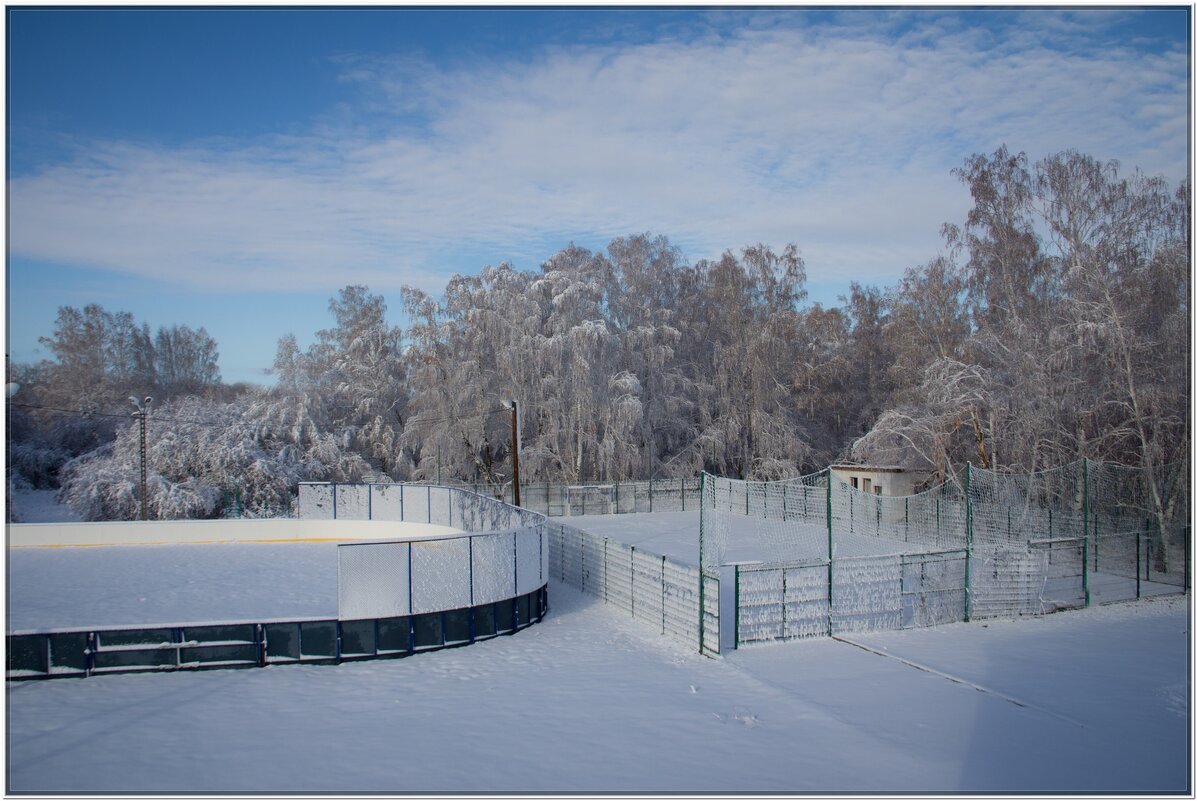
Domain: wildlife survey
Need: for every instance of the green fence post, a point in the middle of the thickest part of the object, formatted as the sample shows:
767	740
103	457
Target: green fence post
1148	550
784	510
783	603
968	540
1085	512
736	620
632	577
605	570
830	594
907	515
1187	560
662	594
702	607
683	494
1138	565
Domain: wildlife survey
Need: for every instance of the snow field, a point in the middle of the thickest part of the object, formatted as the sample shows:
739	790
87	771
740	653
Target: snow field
1096	700
589	702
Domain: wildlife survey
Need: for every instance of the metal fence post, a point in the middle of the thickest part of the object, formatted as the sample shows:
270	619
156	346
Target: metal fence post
736	619
632	571
702	609
968	541
1085	554
783	603
830	550
605	570
662	594
1187	560
1138	566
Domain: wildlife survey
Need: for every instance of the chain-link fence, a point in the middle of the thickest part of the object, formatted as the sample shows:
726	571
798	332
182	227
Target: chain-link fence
600	498
660	593
814	556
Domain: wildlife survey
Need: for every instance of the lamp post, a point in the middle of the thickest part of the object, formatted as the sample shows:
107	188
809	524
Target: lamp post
143	409
514	405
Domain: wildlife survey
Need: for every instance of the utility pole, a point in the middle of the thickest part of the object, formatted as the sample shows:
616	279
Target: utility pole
515	450
143	409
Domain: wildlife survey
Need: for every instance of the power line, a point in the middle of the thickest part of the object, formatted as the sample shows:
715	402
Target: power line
84	413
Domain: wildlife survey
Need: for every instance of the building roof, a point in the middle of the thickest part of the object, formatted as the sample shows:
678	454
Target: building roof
873	468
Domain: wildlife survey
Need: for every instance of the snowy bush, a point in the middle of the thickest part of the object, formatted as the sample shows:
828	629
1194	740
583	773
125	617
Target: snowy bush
201	454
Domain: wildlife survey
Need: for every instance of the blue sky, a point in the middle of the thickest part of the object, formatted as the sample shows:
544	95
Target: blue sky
233	168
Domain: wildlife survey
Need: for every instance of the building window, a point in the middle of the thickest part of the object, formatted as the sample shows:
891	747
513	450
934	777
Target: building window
877	489
868	485
855	482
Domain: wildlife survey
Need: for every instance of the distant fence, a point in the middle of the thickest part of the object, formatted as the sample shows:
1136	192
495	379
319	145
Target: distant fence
663	595
1000	546
601	498
395	597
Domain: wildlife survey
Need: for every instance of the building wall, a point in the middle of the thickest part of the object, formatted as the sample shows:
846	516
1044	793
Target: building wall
893	481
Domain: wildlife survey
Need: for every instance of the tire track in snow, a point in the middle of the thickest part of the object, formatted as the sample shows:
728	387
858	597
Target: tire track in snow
956	679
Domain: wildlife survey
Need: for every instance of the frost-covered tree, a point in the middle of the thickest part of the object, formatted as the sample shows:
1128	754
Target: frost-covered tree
203	456
1076	342
353	375
186	360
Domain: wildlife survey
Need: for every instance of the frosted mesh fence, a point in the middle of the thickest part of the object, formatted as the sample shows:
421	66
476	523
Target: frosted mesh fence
781	602
372	580
506	558
494	580
621	497
530	559
416	503
316	501
352	501
1007	581
653	590
386	502
440	575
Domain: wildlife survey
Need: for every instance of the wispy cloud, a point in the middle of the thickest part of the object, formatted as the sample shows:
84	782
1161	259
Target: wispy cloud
839	138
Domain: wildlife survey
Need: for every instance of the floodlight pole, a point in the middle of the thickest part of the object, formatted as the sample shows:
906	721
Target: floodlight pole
143	409
515	451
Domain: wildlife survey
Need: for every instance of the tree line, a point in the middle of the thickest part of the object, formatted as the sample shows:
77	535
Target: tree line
1053	325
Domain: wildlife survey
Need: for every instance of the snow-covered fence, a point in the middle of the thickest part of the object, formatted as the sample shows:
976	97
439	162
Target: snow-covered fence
835	558
663	595
502	555
784	601
395	597
617	497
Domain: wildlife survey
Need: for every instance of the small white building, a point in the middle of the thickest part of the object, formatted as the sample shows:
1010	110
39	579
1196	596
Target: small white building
879	479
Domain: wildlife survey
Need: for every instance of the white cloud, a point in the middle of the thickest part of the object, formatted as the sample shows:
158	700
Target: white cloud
840	140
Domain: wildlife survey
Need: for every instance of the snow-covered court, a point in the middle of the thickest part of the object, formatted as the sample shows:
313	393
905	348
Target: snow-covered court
1096	700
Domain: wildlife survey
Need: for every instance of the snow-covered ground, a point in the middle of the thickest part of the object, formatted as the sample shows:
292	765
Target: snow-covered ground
42	506
1096	700
1089	701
